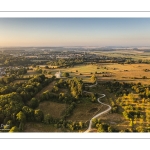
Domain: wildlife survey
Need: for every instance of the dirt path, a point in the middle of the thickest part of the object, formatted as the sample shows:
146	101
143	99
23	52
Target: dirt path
101	113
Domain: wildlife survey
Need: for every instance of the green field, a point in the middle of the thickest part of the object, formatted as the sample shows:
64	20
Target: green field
126	53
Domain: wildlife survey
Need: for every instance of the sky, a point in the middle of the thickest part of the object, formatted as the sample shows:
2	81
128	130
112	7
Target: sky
96	32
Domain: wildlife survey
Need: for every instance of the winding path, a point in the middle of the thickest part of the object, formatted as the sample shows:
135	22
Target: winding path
101	113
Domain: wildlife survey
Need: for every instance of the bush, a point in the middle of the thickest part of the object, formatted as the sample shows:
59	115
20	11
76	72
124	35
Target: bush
65	74
33	103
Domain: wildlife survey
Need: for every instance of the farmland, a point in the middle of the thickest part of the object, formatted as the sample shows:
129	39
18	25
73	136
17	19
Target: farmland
109	72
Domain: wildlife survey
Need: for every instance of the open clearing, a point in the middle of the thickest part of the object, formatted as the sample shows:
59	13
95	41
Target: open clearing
40	127
115	120
126	73
54	109
84	112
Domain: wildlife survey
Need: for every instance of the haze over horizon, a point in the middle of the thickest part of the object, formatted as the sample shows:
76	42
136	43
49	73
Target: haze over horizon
62	32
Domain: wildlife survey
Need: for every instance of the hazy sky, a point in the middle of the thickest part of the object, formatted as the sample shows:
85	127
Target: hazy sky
74	32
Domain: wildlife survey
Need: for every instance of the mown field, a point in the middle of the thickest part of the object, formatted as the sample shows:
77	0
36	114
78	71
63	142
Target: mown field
109	72
103	71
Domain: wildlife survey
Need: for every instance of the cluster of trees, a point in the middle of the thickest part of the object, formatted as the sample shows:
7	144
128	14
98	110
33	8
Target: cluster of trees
102	127
114	106
9	88
91	96
17	103
135	110
66	62
10	105
69	110
132	114
142	90
13	74
6	80
119	88
17	72
15	61
38	70
30	88
74	85
65	74
19	106
48	96
133	101
26	114
64	124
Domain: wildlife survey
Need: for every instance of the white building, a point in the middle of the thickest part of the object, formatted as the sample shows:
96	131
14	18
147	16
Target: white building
58	74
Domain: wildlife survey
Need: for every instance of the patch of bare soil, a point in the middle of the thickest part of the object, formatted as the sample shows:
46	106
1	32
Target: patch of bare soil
114	117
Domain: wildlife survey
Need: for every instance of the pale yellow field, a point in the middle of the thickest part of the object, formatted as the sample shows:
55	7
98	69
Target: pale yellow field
113	71
126	72
119	72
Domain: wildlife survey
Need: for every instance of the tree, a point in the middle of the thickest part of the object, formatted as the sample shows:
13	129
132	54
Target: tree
38	70
29	113
46	67
93	78
100	128
38	115
14	129
65	74
48	119
93	97
126	115
21	126
9	123
144	77
81	124
33	103
21	117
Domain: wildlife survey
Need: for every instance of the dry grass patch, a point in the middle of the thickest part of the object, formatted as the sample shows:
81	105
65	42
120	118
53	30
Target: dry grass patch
115	120
40	127
54	109
119	72
84	112
126	72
